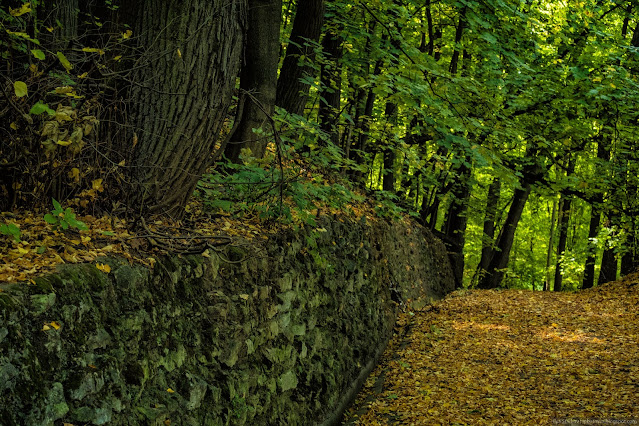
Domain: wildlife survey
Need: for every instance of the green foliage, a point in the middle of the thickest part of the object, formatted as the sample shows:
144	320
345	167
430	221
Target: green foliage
12	230
63	218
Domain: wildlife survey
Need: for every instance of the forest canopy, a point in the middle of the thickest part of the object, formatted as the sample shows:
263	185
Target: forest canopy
508	127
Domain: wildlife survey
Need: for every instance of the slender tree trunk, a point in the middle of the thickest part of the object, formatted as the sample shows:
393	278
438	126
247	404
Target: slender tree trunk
492	203
551	245
495	271
258	79
626	21
184	84
454	61
593	230
307	27
564	218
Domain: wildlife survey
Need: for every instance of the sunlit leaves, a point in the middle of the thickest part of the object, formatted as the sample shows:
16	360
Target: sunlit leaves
38	54
509	357
41	107
25	8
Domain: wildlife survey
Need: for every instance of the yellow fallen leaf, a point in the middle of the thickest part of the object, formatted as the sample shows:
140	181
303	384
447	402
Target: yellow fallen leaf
169	390
55	325
46	327
103	267
97	185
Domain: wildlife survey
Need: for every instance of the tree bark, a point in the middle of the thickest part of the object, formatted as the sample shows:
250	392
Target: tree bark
551	245
456	222
183	87
330	77
564	218
258	79
492	202
608	271
307	26
593	230
495	271
603	155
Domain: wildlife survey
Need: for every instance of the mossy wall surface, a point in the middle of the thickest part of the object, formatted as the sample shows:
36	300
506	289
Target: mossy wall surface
275	339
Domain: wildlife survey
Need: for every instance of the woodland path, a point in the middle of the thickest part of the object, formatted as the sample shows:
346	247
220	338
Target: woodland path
511	357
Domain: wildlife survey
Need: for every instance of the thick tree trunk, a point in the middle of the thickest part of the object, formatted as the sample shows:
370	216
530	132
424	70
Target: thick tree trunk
330	77
389	178
564	218
495	271
307	26
456	222
608	271
258	79
593	230
183	87
603	155
487	243
628	260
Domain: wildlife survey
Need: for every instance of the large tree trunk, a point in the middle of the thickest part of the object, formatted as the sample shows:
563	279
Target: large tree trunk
307	27
608	271
258	79
330	76
183	87
456	222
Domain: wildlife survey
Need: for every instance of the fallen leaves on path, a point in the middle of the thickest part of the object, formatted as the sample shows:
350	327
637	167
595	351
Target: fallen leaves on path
511	357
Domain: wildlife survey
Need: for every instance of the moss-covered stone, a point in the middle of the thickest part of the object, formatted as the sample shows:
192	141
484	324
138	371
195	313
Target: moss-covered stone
274	339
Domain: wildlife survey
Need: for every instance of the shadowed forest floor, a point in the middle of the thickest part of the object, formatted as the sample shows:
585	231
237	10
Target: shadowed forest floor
511	357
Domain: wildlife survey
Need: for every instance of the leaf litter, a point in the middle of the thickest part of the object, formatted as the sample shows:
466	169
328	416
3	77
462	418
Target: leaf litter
511	357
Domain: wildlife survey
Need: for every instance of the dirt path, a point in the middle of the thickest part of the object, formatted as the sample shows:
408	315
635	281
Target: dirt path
511	357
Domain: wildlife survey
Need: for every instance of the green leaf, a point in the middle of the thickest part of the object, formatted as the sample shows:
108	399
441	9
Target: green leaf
39	54
20	88
108	233
64	61
11	229
49	218
57	205
41	107
224	205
